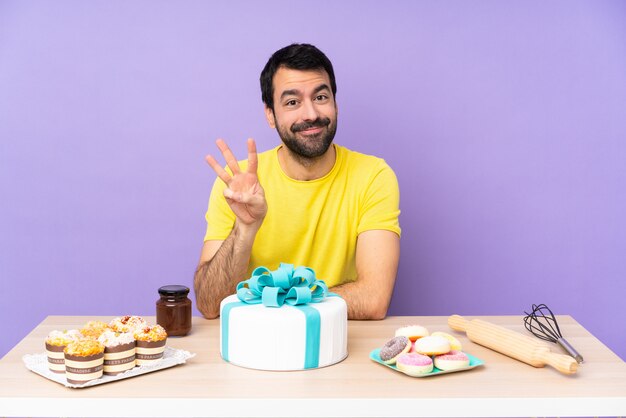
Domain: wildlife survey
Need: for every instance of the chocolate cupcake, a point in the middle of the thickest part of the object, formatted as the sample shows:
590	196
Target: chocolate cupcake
84	361
150	344
55	344
119	351
93	329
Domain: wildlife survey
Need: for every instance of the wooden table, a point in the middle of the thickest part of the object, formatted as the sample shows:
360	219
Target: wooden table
208	386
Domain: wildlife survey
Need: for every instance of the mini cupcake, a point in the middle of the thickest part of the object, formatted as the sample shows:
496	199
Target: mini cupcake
119	351
150	344
55	344
93	329
84	360
128	323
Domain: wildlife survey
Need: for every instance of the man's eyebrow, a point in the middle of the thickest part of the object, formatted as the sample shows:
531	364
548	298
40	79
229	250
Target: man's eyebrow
320	88
296	92
292	92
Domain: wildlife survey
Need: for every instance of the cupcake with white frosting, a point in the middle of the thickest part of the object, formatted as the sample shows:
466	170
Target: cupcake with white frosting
150	344
55	344
119	351
128	323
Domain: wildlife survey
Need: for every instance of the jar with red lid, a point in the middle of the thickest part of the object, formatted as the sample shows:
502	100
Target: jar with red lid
173	310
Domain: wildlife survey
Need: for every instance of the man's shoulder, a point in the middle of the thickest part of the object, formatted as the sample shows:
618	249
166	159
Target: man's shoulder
355	159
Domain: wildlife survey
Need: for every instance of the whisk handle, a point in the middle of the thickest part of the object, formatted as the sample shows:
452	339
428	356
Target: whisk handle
570	350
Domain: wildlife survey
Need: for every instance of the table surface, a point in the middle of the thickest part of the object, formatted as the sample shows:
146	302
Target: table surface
208	386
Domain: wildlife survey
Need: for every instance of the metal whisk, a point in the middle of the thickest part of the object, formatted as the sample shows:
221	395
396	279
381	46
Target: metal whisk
542	323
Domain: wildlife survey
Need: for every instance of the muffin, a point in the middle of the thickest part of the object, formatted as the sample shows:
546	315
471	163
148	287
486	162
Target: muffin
119	351
55	344
150	344
84	360
93	329
128	323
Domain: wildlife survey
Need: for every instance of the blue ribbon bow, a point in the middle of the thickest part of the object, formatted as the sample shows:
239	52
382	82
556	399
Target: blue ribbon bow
285	285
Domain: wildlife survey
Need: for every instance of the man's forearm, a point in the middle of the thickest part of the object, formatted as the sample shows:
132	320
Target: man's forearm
216	278
377	257
362	302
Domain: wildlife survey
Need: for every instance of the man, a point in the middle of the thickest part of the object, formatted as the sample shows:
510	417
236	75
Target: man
307	202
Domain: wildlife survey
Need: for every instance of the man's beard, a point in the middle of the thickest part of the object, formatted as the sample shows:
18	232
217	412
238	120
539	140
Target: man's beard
311	146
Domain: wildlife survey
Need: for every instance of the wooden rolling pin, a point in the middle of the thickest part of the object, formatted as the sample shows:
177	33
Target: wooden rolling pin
513	344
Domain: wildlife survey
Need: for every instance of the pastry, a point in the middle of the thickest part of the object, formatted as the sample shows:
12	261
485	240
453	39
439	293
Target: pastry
150	344
393	348
55	344
93	329
454	343
414	364
413	332
119	351
83	361
451	361
431	345
128	323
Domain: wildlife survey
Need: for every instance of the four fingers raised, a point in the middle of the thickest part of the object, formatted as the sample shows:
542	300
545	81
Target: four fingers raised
252	156
221	173
231	161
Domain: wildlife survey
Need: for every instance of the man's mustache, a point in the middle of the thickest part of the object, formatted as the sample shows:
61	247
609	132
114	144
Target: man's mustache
317	123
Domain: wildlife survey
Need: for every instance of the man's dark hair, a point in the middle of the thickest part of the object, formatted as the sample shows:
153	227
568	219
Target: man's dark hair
295	57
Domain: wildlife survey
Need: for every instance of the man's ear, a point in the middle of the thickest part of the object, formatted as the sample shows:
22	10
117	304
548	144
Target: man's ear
269	115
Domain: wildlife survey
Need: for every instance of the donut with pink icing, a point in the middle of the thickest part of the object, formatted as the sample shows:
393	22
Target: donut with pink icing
453	360
393	348
414	364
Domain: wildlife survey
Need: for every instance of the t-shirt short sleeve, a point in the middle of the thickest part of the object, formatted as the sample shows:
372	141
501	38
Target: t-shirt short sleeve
219	216
380	207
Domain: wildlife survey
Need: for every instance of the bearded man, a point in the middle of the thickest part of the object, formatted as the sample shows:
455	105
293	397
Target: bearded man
307	202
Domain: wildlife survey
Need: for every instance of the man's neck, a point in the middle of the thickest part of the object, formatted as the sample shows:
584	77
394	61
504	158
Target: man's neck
306	169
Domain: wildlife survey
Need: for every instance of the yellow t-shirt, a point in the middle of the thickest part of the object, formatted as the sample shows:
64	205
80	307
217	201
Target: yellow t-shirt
315	223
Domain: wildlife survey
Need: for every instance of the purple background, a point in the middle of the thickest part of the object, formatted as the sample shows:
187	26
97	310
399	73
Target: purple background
504	121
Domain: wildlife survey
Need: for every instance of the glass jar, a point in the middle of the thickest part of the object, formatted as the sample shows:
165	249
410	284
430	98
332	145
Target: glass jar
173	310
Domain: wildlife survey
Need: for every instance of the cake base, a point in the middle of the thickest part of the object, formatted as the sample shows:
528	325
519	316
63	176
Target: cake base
282	339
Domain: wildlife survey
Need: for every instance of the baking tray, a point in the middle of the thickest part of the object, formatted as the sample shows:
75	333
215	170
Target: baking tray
38	363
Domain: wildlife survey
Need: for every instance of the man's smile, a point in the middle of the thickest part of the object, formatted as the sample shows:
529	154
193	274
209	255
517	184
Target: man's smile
313	130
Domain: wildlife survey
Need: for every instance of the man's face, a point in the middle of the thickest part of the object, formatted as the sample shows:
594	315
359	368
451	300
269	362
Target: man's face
305	113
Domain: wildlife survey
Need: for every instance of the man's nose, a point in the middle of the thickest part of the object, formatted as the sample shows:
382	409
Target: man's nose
309	112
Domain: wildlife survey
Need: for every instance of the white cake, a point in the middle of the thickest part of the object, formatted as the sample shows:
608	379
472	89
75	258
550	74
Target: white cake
269	338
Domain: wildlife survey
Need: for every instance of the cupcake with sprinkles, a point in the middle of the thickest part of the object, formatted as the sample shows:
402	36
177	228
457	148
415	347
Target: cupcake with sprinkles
93	329
84	361
119	351
128	323
150	344
55	344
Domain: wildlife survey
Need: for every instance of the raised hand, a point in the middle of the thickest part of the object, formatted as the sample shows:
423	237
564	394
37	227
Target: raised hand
244	193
